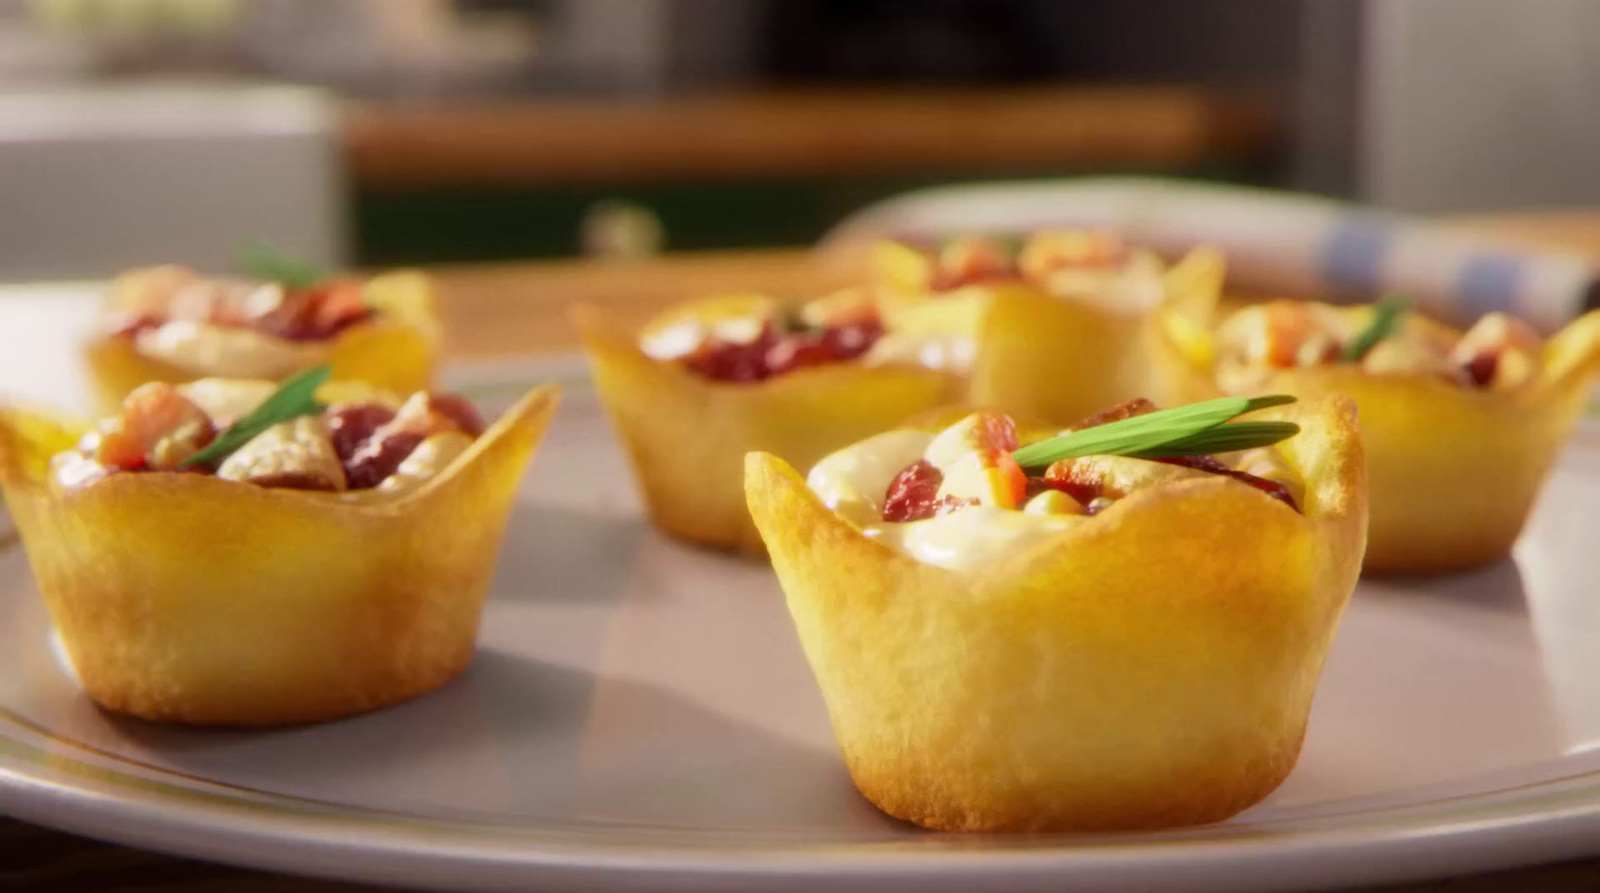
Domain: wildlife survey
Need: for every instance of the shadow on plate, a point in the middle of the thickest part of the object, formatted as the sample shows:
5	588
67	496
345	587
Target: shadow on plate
516	739
1496	587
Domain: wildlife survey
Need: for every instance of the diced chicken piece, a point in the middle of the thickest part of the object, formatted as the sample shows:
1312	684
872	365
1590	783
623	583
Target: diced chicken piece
1051	250
1402	356
222	301
970	259
1280	334
430	457
295	454
426	414
149	290
1125	410
158	429
974	456
226	400
1053	502
844	306
1499	352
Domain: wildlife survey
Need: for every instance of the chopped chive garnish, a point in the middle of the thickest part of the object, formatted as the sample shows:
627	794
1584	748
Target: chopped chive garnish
1194	430
294	398
1385	315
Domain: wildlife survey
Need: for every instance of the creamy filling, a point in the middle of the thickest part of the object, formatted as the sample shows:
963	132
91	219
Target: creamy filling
972	538
684	338
985	511
302	453
226	351
1499	352
853	481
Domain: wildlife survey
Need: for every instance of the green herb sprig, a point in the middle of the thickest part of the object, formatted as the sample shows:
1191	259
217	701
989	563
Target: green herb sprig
294	398
261	261
1198	429
1385	315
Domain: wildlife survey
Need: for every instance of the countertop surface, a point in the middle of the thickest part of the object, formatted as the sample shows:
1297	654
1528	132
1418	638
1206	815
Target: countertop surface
799	133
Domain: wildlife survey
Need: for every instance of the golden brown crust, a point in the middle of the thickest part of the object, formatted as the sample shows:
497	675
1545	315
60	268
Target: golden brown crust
397	352
687	436
1150	669
1454	471
184	598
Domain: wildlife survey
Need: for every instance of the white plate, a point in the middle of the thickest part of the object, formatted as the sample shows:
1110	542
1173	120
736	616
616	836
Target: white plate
640	718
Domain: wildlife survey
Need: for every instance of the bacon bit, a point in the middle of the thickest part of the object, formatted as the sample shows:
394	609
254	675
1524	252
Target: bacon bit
970	260
999	433
773	353
914	495
1050	251
1072	479
352	424
372	440
1136	407
459	411
378	458
120	450
1479	371
129	325
1289	327
158	428
1212	465
316	314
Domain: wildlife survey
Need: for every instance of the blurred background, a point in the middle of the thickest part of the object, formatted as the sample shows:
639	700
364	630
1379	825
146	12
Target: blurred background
380	132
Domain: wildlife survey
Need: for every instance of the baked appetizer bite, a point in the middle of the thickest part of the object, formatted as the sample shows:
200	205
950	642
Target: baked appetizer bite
1460	427
1051	328
175	325
711	380
232	552
1119	627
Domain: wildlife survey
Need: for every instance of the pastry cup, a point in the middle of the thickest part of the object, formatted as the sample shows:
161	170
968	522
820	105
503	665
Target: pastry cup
1454	471
397	351
687	435
185	598
1152	668
1052	357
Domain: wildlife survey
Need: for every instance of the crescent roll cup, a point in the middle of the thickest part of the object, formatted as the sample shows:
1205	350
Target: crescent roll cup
187	598
1035	354
1150	669
397	351
687	435
1454	470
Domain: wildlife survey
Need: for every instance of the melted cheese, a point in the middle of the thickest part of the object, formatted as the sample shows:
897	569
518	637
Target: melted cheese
226	351
854	480
971	538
